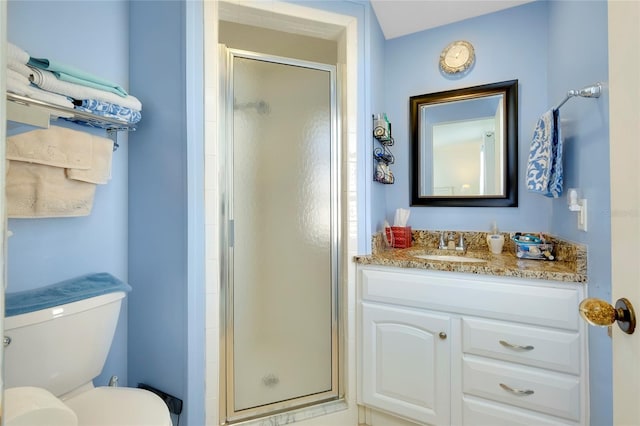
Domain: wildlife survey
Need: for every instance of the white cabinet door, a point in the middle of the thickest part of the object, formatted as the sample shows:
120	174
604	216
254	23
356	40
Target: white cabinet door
406	362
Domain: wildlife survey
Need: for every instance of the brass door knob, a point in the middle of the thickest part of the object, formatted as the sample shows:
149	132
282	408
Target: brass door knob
600	313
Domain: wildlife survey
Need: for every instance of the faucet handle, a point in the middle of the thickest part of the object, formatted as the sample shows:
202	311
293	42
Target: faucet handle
461	244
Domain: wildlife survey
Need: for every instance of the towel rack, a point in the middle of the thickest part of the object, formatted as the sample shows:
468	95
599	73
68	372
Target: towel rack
39	113
586	92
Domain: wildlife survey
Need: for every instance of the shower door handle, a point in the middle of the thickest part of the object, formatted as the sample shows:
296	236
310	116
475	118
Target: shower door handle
231	232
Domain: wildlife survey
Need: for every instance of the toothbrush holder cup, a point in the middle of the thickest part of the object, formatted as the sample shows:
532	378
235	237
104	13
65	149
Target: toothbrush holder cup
495	243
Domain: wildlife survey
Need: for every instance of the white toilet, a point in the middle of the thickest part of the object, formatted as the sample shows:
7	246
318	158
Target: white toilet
53	356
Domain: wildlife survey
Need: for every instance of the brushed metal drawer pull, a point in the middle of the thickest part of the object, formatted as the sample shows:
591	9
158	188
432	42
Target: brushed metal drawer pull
516	347
516	391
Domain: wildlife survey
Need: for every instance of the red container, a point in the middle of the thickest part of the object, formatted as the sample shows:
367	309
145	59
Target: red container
399	236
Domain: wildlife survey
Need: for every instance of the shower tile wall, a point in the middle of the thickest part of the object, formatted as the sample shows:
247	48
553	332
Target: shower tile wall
212	330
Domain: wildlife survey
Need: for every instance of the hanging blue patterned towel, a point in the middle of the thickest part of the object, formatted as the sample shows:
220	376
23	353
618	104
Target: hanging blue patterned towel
544	170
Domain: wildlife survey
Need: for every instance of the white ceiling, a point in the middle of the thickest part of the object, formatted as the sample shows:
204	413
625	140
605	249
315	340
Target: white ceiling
402	17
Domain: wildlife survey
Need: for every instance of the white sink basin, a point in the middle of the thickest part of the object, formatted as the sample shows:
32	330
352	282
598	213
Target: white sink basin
449	258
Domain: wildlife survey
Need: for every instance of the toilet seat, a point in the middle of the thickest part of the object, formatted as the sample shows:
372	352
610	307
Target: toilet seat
112	406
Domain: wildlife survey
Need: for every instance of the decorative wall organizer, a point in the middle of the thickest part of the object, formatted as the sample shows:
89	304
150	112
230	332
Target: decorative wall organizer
382	156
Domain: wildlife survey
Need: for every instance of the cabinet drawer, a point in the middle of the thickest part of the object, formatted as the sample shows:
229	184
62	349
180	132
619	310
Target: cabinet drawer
556	394
476	412
517	300
538	347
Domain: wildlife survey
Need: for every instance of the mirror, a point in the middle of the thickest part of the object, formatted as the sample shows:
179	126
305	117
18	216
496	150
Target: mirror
464	147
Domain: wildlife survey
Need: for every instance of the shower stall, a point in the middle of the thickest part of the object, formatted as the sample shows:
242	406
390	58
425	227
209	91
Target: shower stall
280	233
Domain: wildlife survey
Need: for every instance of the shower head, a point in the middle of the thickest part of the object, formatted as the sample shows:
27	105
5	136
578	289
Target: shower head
261	107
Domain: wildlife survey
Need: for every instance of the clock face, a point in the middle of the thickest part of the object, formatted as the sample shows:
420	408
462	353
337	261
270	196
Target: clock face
457	57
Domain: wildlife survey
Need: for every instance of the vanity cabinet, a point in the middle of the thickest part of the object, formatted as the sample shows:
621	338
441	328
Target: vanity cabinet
446	348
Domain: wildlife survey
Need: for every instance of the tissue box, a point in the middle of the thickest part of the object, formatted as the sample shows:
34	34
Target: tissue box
399	236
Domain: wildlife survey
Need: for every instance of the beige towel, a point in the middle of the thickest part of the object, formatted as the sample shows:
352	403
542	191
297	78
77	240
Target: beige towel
55	146
37	190
100	171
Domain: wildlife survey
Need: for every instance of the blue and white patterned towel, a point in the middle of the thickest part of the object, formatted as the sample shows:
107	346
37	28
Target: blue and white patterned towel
107	109
544	171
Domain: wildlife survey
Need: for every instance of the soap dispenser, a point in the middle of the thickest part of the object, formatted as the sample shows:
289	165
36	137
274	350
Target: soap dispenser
495	240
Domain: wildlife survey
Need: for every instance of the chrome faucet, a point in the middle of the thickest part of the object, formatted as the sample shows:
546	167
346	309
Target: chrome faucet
442	245
448	241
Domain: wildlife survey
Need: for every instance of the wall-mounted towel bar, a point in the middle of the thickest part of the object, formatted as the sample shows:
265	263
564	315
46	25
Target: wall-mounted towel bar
586	92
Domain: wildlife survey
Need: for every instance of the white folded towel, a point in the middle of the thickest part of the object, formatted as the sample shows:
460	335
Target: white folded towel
47	80
18	78
19	68
55	146
37	190
16	53
19	88
16	85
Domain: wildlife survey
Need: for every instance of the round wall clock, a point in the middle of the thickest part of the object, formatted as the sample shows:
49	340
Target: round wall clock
457	57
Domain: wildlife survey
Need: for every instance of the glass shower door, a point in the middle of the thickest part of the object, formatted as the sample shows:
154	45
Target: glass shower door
283	207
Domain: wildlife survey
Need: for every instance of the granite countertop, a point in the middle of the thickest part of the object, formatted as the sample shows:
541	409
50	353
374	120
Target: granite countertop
569	265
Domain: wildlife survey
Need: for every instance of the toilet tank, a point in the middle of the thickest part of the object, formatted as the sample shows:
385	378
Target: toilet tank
63	347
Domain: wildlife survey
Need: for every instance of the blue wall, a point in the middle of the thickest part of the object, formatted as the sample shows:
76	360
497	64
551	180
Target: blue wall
166	226
45	251
550	47
376	208
509	45
578	56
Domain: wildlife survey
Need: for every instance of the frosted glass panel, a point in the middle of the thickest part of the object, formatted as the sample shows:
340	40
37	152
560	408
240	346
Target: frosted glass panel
282	274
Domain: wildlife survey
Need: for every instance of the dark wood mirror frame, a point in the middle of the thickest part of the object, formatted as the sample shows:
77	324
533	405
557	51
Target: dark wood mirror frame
509	89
